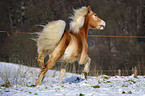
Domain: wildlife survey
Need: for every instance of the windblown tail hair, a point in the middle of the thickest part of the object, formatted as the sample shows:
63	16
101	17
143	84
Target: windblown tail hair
51	35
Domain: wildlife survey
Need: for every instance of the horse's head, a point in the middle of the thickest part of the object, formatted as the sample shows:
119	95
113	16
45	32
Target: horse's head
95	21
85	14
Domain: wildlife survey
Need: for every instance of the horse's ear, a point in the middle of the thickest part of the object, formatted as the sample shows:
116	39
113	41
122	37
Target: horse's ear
89	9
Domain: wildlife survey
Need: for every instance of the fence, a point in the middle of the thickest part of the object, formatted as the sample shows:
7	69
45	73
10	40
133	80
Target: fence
101	63
30	59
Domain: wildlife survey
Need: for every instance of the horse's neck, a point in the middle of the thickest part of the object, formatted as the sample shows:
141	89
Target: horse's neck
85	28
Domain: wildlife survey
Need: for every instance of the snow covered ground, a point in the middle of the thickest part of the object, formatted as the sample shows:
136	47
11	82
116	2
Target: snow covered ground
20	81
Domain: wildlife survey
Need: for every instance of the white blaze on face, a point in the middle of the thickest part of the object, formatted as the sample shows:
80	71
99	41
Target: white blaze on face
102	25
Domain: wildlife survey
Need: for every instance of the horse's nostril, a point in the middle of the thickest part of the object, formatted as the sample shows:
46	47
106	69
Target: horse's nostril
101	27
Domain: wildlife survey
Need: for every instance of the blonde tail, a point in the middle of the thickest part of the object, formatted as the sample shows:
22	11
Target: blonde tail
51	35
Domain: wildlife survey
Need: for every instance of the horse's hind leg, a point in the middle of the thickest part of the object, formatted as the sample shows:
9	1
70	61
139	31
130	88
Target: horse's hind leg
41	56
54	56
63	71
86	69
47	66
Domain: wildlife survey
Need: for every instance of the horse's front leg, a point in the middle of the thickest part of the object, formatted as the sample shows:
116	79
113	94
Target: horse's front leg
86	69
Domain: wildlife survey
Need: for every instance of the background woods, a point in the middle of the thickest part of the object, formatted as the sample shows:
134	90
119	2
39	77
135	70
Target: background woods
123	18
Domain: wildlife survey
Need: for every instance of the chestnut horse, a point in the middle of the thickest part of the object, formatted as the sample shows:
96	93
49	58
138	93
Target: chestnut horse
68	46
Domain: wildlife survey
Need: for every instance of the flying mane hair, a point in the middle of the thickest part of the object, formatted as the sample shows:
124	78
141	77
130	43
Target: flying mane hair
78	19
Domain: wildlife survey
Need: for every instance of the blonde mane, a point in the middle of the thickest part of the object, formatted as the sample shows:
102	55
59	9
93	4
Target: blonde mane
78	19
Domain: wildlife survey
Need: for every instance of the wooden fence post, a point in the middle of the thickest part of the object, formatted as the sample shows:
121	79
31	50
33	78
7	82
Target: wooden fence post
119	72
135	72
101	72
97	73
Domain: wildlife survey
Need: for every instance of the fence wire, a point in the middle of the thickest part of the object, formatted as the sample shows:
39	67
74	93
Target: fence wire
108	36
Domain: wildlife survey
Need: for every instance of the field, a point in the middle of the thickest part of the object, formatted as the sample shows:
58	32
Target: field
18	80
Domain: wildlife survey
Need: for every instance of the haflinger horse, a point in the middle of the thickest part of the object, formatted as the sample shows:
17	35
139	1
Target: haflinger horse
67	46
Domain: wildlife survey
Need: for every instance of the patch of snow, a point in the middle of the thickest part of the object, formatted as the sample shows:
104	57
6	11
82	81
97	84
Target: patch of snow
22	81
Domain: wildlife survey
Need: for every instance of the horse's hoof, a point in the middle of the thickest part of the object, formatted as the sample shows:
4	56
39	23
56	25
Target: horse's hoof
84	75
